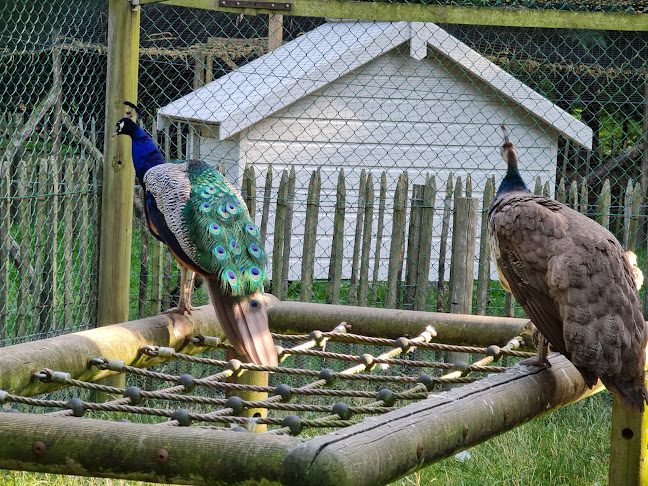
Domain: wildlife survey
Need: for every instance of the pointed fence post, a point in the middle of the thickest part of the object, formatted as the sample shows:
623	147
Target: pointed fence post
118	172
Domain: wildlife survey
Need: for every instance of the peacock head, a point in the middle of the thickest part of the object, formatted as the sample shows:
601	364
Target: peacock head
125	126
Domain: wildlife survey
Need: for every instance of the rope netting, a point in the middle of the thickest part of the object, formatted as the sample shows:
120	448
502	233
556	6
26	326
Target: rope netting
313	387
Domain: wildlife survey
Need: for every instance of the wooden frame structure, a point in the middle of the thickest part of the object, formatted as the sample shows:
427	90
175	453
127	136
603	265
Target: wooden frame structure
374	451
115	238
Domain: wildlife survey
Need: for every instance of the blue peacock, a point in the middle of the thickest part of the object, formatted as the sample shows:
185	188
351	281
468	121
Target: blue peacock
203	220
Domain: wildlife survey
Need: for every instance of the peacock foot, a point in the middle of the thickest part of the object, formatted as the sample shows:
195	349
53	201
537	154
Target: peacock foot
185	310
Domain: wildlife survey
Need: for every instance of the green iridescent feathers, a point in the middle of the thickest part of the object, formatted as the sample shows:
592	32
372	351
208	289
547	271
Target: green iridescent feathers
227	243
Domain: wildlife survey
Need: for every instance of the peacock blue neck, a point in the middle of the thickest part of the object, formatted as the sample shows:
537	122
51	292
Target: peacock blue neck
512	181
145	153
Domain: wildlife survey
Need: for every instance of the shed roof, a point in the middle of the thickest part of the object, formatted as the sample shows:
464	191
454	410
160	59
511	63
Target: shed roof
314	60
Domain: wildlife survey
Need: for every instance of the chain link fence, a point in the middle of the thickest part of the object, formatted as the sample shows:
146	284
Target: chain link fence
352	141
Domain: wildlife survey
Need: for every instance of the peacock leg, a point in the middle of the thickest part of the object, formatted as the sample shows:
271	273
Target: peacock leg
186	288
540	359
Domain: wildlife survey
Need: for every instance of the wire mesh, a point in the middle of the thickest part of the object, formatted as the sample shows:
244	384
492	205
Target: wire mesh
350	108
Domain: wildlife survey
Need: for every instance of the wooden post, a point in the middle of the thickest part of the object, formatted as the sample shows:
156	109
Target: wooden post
275	31
265	213
604	204
363	289
629	441
445	229
290	205
118	172
396	248
337	247
483	273
413	245
379	234
5	242
462	266
355	261
425	248
279	234
310	237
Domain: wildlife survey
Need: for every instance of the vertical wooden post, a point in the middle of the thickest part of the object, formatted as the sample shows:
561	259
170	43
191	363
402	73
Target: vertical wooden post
462	265
337	247
275	31
425	248
363	290
412	267
382	204
118	172
290	204
396	248
5	242
629	440
279	234
310	237
355	261
445	229
483	273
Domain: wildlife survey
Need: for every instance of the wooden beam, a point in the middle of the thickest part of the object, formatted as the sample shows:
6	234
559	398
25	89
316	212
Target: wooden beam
302	317
144	452
70	352
382	449
118	172
441	14
628	444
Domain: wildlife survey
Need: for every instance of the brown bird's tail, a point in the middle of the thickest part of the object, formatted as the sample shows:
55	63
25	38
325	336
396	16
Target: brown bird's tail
245	322
632	395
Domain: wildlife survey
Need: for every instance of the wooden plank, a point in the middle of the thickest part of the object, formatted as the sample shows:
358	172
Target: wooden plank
363	289
279	234
413	246
380	450
337	248
310	237
483	273
397	244
357	240
440	14
382	204
288	224
265	213
425	247
275	31
248	189
445	230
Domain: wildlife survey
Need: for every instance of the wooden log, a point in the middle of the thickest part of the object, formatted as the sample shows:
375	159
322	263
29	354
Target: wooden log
363	289
135	450
302	318
290	206
70	352
248	189
396	247
443	246
337	248
357	240
413	246
310	237
483	273
265	212
382	204
382	449
77	132
425	247
279	234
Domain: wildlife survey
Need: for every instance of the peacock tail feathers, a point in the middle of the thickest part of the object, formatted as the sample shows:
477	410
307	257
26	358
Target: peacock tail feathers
226	241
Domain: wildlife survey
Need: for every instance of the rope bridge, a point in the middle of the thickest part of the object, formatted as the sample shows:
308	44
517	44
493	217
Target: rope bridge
366	412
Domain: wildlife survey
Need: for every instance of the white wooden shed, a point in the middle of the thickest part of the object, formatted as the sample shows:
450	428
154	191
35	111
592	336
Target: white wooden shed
389	96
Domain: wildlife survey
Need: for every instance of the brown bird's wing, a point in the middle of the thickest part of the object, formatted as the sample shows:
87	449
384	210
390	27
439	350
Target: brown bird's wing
574	281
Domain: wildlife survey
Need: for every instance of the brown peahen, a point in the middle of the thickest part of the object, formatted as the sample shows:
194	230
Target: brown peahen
574	281
203	220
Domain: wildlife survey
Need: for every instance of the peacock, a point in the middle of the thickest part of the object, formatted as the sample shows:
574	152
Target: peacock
574	281
203	220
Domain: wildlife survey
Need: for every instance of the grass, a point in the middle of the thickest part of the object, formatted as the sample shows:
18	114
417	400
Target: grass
568	447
